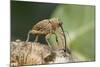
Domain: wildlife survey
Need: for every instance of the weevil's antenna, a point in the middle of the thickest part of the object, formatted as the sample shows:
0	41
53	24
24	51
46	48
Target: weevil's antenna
66	48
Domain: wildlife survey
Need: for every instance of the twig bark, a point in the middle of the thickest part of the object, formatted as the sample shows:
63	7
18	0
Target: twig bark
29	53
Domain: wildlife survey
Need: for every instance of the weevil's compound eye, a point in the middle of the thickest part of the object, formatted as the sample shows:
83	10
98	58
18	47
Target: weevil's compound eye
60	23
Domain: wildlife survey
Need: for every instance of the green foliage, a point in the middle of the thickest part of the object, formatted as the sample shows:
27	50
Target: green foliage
79	21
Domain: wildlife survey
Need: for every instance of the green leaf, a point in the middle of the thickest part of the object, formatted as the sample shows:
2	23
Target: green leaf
79	21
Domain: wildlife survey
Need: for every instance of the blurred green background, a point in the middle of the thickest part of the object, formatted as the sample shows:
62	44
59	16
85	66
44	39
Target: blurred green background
78	20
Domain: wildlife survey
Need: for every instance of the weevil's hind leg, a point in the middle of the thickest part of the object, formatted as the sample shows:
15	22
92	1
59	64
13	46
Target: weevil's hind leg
36	38
47	37
28	35
32	32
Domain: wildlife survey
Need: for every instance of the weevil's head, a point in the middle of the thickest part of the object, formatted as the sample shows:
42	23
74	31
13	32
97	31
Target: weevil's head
56	22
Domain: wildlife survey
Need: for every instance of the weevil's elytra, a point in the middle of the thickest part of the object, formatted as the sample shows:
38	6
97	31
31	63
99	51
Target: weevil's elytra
44	27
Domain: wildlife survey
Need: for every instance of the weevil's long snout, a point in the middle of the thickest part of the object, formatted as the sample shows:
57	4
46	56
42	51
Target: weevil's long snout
66	47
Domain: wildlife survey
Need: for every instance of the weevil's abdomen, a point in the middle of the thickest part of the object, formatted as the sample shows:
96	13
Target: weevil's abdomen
40	24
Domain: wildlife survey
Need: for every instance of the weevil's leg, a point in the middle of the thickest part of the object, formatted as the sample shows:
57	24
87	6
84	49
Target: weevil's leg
28	35
36	38
37	33
61	35
69	50
31	32
47	37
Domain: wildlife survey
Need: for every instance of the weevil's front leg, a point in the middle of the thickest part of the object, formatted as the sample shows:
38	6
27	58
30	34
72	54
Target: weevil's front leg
61	37
47	37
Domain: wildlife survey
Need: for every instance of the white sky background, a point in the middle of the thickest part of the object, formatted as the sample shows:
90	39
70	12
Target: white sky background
5	33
